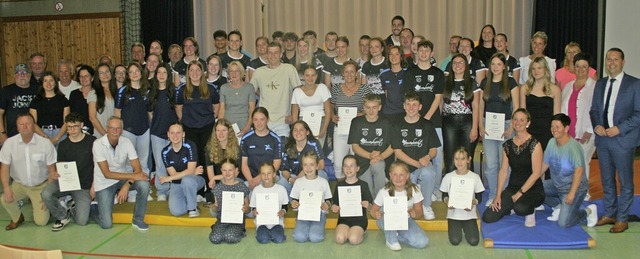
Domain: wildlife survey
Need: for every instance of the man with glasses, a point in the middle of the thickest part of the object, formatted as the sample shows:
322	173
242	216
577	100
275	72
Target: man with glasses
15	99
37	64
75	148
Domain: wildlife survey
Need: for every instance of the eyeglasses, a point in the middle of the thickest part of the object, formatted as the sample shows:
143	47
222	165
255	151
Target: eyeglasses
459	63
73	127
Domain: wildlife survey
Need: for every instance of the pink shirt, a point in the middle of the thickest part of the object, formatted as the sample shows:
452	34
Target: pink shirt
563	76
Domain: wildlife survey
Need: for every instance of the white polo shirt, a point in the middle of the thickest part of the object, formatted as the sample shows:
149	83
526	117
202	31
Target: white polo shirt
118	158
28	162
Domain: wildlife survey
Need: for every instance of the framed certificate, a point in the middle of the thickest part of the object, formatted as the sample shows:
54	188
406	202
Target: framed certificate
350	201
395	214
310	203
268	206
461	192
232	203
69	179
494	125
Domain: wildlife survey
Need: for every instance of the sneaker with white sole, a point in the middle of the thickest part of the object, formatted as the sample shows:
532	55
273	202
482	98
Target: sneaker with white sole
59	225
194	213
555	215
530	220
140	226
162	197
428	213
130	199
199	198
592	216
394	247
149	198
541	207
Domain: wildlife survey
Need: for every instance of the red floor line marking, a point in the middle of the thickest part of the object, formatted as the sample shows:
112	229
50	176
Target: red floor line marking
103	255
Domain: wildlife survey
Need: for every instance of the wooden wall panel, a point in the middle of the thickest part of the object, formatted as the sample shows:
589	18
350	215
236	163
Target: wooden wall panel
81	39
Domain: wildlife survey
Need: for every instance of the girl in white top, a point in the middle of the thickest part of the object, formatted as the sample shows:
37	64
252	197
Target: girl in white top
400	185
462	219
312	97
267	233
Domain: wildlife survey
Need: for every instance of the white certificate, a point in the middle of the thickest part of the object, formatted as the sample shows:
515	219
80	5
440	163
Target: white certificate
494	125
346	114
232	207
236	129
268	206
395	214
461	192
309	205
350	201
69	179
313	119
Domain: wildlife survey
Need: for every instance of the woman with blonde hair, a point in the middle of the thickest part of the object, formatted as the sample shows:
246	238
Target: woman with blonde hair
237	98
223	144
538	44
567	72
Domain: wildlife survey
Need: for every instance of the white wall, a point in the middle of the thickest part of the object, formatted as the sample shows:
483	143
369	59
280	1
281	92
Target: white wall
622	31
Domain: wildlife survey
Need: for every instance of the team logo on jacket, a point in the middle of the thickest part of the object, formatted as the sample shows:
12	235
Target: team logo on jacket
365	132
418	79
418	132
404	132
430	78
267	147
378	132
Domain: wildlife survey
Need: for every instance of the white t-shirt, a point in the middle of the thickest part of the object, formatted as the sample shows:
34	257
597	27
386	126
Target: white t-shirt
66	90
384	193
303	184
275	189
119	160
275	87
314	103
461	214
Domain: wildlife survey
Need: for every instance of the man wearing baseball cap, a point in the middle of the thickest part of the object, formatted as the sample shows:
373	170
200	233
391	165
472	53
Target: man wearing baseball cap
15	99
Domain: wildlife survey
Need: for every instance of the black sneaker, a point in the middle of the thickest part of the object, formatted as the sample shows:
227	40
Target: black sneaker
59	225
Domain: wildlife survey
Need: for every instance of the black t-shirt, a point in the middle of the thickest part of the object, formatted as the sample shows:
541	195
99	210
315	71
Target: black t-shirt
484	54
15	100
179	160
80	152
415	139
133	110
365	195
370	136
495	103
163	115
372	73
79	104
392	85
181	66
256	63
293	164
50	111
475	65
225	59
425	83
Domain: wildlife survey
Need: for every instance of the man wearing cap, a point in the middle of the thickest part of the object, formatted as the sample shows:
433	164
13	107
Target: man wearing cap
15	99
37	64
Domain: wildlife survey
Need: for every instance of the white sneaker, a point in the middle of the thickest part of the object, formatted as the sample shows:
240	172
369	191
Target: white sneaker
434	197
394	247
194	213
587	197
162	197
530	220
149	198
541	207
489	202
592	217
199	198
428	213
555	215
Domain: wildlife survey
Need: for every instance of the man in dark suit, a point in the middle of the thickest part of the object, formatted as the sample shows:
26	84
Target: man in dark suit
615	115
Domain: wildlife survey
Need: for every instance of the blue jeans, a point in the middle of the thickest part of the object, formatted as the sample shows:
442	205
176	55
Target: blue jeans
183	195
141	144
288	186
570	214
51	133
105	198
275	234
413	236
375	177
492	160
82	199
310	230
426	178
157	144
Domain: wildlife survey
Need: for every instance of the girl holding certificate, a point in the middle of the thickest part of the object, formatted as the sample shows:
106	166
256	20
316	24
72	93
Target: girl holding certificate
500	95
269	202
351	228
312	198
462	219
229	232
403	221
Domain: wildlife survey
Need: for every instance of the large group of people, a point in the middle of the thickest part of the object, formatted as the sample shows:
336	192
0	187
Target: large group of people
392	122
